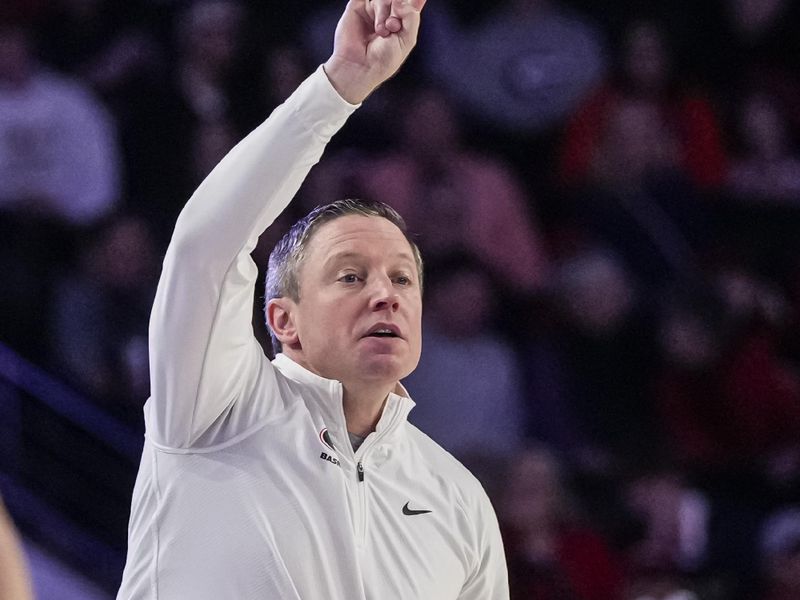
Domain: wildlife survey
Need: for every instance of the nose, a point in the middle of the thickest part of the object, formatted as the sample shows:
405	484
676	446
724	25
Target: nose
384	296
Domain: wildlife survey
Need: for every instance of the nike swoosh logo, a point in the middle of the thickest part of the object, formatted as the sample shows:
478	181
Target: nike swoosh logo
408	511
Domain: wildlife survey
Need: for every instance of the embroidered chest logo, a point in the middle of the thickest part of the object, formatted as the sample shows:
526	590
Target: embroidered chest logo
325	438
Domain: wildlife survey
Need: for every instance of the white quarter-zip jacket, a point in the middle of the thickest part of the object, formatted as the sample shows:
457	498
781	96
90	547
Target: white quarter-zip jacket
249	488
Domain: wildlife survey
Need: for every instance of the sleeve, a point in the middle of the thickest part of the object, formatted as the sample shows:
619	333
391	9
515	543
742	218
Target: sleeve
204	358
489	577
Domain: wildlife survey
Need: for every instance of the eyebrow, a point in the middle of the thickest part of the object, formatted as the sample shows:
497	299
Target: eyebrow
342	256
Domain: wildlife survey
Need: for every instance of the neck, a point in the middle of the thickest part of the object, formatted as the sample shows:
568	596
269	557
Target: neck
362	401
363	406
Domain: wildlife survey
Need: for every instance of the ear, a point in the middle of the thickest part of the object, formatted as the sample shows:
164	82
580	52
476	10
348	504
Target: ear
280	320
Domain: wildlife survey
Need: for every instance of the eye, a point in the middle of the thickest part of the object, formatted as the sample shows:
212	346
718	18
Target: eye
402	280
349	278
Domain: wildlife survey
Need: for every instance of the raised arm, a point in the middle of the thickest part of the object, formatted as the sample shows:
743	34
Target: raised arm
204	358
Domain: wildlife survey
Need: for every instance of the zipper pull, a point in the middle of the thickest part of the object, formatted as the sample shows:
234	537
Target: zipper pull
360	469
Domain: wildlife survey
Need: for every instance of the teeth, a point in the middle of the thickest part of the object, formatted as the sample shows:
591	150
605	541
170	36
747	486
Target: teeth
384	332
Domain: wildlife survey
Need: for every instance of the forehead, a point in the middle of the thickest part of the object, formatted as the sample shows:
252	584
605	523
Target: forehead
357	234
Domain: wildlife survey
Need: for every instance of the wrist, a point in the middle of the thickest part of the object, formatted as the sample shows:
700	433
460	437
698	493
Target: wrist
351	81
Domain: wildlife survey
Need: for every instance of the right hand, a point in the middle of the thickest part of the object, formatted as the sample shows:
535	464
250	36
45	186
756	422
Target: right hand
372	40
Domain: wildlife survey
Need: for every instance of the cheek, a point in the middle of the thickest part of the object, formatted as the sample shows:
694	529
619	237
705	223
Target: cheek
414	318
328	323
416	346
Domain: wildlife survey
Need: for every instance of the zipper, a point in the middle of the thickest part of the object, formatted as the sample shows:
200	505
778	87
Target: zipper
361	493
361	517
361	523
363	509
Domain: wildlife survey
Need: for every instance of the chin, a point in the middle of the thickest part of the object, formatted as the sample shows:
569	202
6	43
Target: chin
385	368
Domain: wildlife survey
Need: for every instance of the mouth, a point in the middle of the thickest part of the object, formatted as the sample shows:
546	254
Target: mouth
383	330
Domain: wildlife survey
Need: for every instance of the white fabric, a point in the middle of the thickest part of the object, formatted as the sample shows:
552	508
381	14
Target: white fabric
239	494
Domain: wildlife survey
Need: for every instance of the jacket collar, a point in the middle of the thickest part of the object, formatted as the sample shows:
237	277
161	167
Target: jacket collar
300	374
328	394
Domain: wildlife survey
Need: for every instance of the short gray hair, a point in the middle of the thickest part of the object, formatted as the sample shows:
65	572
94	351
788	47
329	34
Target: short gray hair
285	259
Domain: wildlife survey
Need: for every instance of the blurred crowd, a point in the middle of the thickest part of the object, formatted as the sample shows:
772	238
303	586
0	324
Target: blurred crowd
607	196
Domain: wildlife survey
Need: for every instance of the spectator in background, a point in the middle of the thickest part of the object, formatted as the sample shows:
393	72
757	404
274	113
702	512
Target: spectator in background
209	34
674	540
59	171
638	202
208	101
552	553
106	43
754	45
15	582
646	75
117	47
780	555
466	368
593	403
767	167
284	68
728	400
436	179
522	69
58	152
100	316
552	417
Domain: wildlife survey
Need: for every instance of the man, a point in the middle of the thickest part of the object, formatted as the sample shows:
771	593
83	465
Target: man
253	482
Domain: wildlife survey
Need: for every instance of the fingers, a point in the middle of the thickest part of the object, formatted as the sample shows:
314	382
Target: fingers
382	11
388	15
407	12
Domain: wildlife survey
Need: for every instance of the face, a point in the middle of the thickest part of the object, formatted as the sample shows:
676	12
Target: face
358	277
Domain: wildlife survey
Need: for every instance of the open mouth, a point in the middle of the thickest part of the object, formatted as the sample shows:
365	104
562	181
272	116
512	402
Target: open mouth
383	330
383	333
